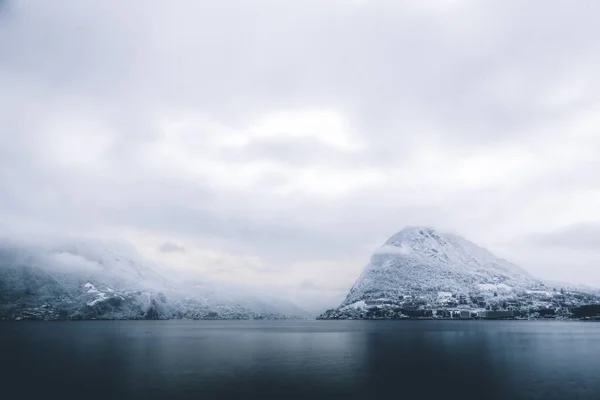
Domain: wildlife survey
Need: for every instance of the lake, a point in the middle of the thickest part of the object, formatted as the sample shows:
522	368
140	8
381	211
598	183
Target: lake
300	359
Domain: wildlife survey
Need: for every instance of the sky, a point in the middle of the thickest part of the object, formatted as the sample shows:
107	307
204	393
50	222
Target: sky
279	143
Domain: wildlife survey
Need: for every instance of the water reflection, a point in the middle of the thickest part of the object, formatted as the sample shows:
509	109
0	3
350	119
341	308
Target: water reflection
309	359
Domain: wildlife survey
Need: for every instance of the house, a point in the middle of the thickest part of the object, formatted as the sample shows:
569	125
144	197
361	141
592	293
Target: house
496	314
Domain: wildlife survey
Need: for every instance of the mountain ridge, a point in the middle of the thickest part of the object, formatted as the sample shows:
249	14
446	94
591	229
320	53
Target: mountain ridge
87	279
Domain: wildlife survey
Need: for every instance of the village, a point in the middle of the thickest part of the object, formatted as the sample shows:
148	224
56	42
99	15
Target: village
537	303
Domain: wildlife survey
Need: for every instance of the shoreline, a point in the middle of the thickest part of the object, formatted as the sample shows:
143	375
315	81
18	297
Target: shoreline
312	319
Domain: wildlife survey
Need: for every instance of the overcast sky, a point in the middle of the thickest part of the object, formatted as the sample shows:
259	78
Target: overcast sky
278	143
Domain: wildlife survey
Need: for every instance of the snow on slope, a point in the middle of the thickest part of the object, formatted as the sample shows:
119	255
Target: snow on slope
83	279
427	261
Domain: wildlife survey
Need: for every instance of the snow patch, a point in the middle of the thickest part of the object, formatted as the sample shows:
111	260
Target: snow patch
91	289
491	287
542	292
359	305
95	301
504	287
486	287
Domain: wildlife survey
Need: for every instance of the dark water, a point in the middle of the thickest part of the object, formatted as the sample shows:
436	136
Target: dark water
300	360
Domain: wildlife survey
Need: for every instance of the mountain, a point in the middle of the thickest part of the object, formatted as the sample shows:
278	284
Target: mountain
85	279
420	271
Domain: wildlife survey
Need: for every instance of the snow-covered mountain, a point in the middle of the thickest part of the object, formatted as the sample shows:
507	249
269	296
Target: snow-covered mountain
421	269
84	279
422	259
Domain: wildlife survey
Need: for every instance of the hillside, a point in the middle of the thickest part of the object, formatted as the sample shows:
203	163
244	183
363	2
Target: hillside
109	280
420	272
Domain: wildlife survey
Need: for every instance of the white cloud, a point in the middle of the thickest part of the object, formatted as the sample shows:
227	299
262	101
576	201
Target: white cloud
386	249
269	136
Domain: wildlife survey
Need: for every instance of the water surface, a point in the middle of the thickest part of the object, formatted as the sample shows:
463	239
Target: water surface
300	359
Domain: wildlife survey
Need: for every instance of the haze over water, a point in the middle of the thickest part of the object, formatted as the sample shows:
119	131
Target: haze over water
301	359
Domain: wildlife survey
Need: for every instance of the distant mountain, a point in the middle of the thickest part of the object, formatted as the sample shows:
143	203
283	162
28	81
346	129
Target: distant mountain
109	280
420	272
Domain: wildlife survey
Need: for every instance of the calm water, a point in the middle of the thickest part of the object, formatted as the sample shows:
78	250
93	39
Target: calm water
300	359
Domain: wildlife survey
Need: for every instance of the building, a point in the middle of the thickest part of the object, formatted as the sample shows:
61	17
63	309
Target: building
496	314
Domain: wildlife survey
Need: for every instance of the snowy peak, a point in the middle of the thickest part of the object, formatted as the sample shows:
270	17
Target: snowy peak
426	241
449	249
421	272
421	241
414	234
422	259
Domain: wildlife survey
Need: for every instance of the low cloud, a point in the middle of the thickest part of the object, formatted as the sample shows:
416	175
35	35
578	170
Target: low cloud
171	247
404	250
